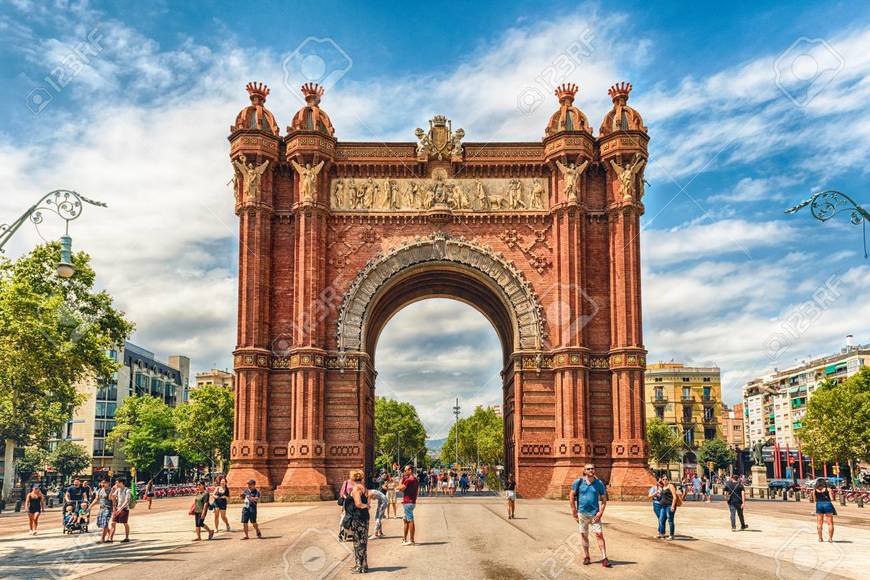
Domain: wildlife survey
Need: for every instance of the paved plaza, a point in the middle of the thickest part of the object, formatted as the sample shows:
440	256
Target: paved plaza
457	537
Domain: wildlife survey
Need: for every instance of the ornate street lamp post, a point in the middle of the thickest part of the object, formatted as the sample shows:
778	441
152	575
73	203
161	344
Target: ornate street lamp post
66	204
826	204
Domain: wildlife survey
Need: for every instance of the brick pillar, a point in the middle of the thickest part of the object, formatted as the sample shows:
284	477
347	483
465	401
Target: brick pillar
250	448
629	476
305	476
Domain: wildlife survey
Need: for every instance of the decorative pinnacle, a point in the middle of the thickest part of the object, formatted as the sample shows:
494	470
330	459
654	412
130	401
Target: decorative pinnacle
312	92
620	91
258	92
565	92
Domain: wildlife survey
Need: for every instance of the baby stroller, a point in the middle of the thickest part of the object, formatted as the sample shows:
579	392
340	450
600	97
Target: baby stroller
76	521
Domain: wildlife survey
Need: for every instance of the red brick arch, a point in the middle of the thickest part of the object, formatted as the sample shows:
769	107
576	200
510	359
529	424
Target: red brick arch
325	261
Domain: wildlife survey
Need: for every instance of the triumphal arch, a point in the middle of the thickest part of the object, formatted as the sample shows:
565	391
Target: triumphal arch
542	237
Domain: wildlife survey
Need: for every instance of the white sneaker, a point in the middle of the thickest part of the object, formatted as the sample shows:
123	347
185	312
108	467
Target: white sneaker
406	543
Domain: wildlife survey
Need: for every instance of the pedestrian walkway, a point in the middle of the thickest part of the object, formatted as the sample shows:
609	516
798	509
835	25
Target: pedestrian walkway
54	555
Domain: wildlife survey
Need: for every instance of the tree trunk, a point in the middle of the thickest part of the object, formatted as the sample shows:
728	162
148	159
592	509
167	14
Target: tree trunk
9	473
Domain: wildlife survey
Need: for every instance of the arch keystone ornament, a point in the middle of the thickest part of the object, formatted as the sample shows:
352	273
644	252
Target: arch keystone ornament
541	237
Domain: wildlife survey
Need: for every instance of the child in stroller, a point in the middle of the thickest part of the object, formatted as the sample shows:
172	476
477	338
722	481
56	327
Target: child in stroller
76	520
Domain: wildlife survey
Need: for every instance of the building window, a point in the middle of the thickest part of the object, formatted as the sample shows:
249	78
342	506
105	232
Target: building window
687	393
689	436
660	413
686	379
709	434
660	395
708	414
687	415
707	393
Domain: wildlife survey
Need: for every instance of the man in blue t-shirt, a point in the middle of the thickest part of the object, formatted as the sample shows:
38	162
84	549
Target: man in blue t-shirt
588	500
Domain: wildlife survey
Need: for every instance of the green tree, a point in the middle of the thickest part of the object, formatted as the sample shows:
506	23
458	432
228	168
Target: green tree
33	460
836	427
205	425
665	444
69	459
144	429
397	427
717	451
53	333
484	430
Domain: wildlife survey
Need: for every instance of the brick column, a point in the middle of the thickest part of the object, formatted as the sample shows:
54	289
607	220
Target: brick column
250	448
629	477
305	475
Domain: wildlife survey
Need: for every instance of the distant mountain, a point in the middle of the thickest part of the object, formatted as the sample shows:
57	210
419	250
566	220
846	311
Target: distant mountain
435	444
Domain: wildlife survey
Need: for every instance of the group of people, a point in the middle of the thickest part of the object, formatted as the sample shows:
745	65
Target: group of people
666	498
434	482
111	501
217	500
356	498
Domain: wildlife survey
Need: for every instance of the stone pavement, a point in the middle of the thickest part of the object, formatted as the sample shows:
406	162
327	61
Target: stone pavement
464	537
54	555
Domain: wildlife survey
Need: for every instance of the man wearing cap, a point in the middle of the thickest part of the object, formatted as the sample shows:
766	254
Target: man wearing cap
251	496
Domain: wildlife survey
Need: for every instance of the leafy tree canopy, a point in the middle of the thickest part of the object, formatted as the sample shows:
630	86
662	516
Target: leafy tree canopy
69	459
483	430
836	427
144	430
205	425
665	444
397	427
53	333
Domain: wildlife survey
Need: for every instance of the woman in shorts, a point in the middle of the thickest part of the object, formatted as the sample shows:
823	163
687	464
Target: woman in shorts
510	492
825	509
390	486
220	494
35	506
149	492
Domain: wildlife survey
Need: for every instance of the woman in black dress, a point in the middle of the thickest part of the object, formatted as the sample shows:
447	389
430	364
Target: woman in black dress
359	525
35	506
510	492
220	502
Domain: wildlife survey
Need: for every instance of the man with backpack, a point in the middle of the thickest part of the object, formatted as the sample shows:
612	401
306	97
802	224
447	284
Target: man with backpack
588	499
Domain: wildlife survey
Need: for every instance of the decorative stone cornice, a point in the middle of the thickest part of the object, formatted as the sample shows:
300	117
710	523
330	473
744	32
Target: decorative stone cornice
516	291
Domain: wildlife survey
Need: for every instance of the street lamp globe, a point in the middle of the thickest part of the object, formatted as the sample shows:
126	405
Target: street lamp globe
65	268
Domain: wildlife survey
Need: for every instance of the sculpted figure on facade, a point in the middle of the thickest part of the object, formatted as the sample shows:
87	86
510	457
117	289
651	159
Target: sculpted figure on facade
571	174
307	179
441	141
626	175
480	195
251	176
338	199
537	201
515	195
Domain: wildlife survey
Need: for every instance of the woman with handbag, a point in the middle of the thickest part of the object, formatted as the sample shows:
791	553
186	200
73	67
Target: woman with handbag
343	494
357	504
669	500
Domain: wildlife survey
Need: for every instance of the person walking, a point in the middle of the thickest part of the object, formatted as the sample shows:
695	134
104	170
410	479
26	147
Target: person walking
588	499
655	494
251	496
735	495
409	488
121	500
696	487
35	502
220	494
149	492
343	494
359	523
510	493
670	499
200	511
825	510
103	499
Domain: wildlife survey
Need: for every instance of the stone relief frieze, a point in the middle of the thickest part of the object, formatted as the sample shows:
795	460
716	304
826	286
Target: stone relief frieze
468	194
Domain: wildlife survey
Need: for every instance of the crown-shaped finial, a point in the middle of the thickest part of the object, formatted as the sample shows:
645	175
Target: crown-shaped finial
312	93
620	91
258	92
566	92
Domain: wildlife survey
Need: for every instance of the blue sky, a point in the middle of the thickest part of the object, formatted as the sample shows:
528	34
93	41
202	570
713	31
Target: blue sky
750	108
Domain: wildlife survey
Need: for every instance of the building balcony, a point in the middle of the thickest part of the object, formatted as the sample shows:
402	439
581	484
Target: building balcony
663	400
687	399
712	420
708	401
